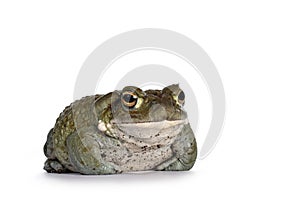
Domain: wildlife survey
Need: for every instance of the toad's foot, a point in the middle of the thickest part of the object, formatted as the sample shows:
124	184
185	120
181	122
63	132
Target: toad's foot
54	166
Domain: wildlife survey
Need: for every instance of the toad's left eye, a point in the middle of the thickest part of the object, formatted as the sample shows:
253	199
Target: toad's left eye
181	97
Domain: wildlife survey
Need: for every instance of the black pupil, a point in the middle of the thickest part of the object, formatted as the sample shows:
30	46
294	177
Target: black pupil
181	96
129	98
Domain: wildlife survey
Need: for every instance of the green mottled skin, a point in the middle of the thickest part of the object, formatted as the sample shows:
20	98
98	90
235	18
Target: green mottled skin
76	144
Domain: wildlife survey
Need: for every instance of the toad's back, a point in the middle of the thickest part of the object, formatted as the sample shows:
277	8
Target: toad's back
75	116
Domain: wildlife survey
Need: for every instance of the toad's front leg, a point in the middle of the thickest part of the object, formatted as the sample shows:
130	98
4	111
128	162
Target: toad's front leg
185	152
86	154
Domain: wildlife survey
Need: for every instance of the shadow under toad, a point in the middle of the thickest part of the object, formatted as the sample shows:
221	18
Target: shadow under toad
125	177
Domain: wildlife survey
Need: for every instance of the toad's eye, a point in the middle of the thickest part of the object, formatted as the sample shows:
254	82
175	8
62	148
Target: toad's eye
181	97
129	99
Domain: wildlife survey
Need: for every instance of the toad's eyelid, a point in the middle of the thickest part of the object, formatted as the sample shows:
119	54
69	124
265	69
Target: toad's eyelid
130	93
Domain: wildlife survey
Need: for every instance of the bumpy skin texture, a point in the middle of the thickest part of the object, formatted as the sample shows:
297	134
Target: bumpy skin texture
115	133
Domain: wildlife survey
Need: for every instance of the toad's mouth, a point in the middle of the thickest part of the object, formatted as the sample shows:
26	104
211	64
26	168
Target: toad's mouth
149	130
166	122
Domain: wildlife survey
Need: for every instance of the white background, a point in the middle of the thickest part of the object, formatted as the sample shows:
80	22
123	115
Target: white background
254	44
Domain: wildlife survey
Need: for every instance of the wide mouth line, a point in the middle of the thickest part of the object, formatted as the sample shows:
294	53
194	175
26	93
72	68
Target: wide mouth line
153	122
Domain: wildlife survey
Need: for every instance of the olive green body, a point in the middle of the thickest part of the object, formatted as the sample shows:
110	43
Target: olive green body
98	135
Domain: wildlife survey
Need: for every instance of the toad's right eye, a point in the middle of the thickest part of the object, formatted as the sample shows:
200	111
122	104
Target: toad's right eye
129	99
